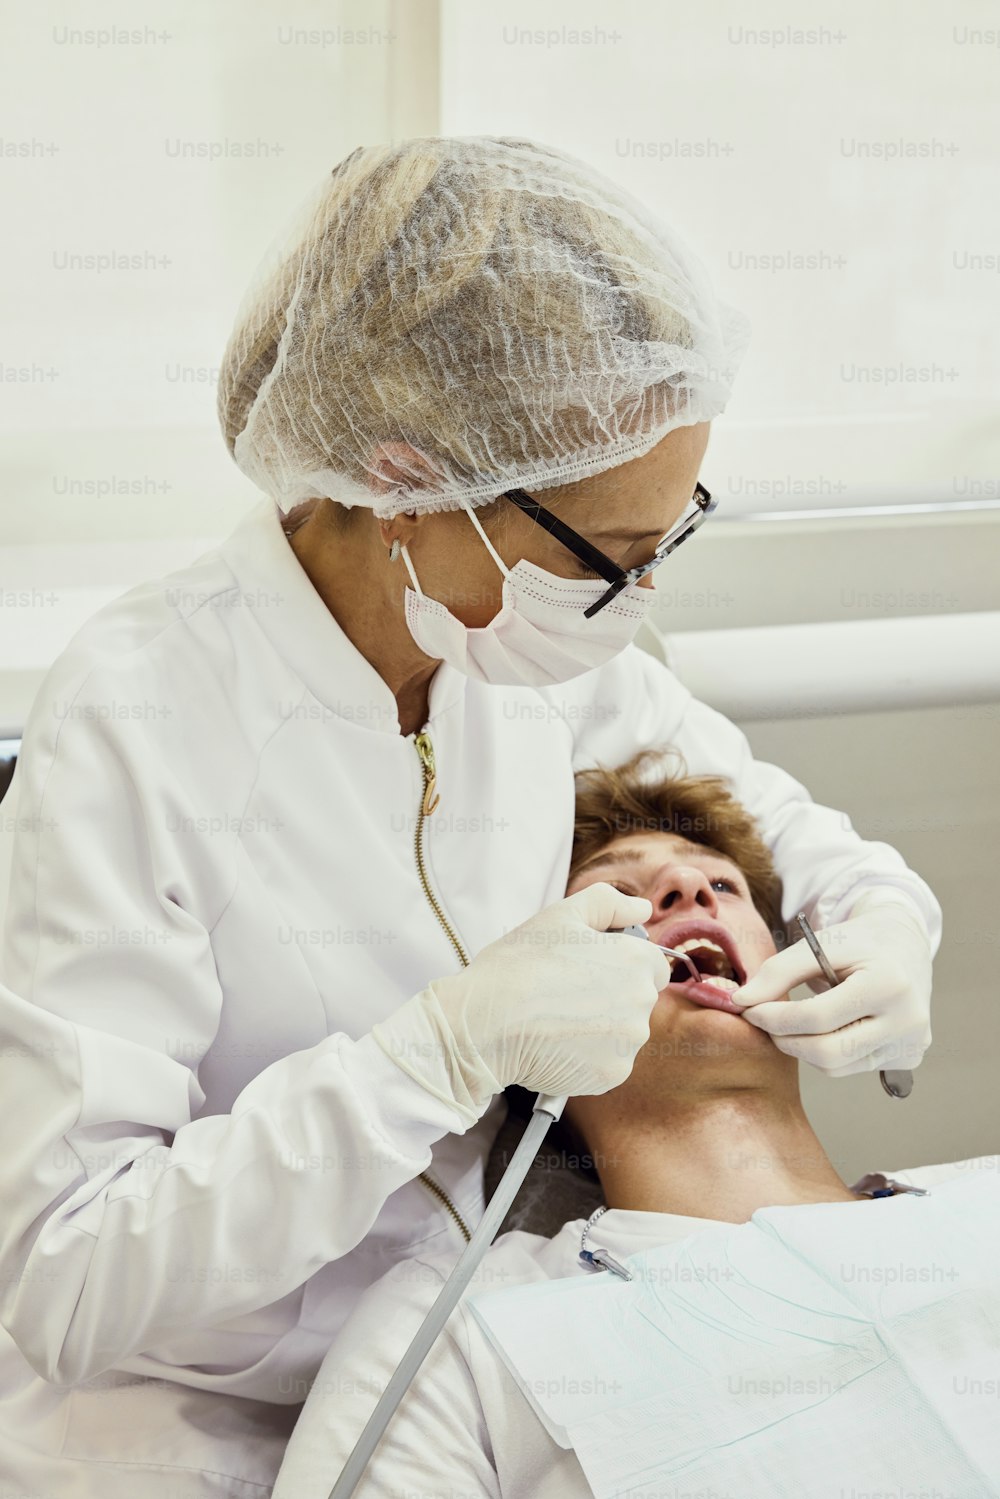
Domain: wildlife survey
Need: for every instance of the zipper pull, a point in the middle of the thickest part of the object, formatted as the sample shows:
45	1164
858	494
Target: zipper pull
426	752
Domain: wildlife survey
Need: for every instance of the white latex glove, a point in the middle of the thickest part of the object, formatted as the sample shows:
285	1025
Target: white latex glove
559	1004
877	1017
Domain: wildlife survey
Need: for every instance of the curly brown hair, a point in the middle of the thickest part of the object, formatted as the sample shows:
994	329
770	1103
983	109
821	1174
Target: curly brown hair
643	795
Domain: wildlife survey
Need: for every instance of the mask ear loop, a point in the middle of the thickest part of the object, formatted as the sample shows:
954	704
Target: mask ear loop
409	568
470	512
404	553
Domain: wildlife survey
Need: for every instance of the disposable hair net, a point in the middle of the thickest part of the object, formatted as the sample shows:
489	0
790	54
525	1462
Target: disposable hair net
448	318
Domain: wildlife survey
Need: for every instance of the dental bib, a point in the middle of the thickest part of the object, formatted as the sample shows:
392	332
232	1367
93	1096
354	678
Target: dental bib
829	1349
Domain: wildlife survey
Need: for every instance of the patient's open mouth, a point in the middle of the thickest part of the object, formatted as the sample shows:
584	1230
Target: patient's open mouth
710	960
710	947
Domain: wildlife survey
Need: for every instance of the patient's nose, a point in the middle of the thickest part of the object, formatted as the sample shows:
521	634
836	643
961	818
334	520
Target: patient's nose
679	888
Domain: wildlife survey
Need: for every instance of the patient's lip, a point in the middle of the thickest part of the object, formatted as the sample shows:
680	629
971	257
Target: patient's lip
704	993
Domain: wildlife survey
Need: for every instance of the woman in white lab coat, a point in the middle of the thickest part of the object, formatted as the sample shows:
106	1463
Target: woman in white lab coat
276	817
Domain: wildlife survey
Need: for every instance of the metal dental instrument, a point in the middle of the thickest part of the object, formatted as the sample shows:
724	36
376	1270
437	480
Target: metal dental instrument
897	1083
547	1109
640	931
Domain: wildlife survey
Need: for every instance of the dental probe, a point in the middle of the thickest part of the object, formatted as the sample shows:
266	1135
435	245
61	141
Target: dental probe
640	931
547	1108
898	1083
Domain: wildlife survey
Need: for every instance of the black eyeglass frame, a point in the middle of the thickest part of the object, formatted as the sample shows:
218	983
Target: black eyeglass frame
618	577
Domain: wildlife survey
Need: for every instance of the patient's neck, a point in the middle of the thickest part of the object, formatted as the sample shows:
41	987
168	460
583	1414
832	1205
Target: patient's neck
718	1156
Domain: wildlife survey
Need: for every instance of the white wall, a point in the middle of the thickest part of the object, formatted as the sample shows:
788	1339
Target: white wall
926	783
169	143
186	148
752	149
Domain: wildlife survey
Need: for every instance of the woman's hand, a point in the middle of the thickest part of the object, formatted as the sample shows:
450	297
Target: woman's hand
559	1004
878	1016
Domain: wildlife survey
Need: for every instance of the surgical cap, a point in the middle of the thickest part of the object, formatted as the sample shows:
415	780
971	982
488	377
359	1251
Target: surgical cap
448	318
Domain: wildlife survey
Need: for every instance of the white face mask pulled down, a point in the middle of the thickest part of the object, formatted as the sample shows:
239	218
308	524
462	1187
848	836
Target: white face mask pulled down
539	635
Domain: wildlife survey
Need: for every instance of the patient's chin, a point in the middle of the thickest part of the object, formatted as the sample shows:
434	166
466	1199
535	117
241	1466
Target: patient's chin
682	1027
704	1058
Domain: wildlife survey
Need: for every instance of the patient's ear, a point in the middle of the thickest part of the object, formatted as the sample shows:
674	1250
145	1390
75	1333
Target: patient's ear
400	466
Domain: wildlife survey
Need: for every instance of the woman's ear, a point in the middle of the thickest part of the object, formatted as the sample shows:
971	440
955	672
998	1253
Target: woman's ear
400	466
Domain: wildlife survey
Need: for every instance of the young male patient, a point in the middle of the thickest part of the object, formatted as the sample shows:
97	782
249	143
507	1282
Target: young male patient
709	1126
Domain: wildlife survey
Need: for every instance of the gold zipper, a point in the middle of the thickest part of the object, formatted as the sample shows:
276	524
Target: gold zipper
425	750
453	1210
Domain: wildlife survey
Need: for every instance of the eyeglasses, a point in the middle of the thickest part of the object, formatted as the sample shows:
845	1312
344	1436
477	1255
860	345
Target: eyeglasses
618	577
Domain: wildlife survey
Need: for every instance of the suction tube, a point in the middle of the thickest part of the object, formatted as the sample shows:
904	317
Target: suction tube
546	1110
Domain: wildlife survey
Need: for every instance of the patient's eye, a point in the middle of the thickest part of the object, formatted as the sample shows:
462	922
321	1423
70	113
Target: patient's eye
623	888
730	885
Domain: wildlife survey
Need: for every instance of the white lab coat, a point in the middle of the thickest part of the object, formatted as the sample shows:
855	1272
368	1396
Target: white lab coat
213	895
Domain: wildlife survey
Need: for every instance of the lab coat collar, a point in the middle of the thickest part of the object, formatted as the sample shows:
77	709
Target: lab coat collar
301	628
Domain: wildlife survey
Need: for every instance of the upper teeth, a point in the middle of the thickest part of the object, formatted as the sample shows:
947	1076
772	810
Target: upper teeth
705	944
700	942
